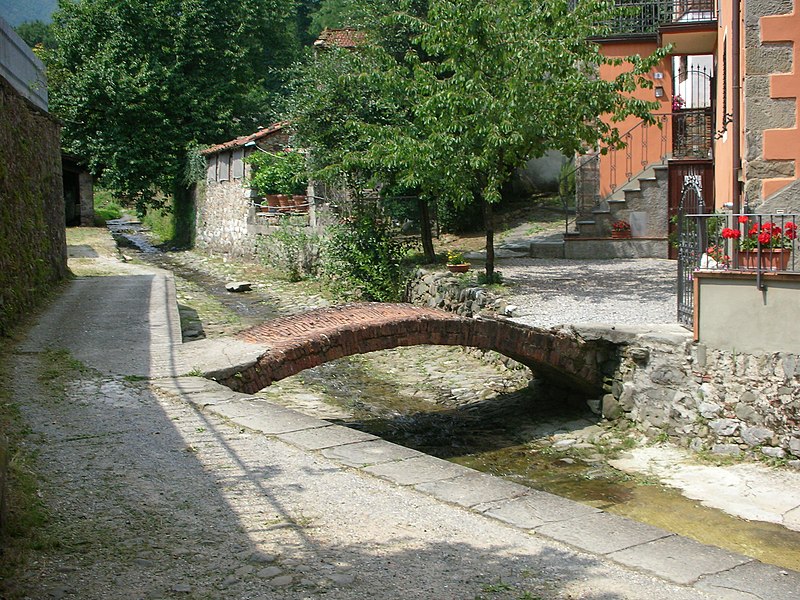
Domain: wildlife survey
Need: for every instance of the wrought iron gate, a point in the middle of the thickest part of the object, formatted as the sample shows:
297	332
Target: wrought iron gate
692	241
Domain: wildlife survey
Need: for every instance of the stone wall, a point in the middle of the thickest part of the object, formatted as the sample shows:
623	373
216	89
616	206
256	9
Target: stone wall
33	250
762	112
723	402
449	292
222	214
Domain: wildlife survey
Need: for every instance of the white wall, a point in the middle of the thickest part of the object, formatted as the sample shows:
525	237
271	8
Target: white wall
20	66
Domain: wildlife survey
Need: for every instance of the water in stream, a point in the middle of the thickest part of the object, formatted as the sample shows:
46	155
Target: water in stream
456	406
510	434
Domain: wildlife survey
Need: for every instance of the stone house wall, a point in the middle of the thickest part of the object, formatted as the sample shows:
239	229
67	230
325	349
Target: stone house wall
222	213
762	112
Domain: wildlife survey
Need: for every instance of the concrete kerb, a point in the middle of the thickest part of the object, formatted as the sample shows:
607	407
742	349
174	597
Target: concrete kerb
668	556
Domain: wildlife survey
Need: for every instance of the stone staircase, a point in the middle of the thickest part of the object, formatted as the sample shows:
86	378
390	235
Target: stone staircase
642	202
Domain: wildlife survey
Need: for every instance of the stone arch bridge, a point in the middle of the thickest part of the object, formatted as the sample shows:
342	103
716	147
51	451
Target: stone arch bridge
306	340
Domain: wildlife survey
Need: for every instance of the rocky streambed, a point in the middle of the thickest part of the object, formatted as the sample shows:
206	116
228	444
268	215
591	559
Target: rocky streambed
467	407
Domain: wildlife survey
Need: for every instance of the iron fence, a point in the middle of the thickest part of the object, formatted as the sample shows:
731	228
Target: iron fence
646	16
751	243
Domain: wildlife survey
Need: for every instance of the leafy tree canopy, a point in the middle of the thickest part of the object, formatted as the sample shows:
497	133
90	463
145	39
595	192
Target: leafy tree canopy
451	96
334	14
37	32
138	82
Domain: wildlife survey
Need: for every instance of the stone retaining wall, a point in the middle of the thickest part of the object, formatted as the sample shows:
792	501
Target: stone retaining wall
722	402
451	293
706	400
33	247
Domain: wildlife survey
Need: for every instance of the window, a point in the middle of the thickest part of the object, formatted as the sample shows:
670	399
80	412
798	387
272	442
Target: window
224	169
211	168
238	165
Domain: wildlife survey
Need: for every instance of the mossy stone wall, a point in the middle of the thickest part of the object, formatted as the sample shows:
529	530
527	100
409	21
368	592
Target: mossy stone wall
33	250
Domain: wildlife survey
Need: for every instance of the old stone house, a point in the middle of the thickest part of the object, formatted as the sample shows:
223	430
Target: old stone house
226	207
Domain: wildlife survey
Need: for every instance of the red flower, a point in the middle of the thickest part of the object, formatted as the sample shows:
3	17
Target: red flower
764	237
729	233
743	219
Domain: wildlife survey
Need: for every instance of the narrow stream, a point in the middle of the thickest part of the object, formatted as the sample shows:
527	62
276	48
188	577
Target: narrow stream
451	404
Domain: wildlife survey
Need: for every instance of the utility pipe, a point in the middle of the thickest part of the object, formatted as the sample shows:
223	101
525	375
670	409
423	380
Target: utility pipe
736	108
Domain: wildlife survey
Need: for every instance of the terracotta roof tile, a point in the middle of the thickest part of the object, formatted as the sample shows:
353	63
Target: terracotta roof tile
342	38
242	140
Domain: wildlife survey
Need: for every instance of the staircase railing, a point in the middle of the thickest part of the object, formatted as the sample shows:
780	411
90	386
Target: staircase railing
685	133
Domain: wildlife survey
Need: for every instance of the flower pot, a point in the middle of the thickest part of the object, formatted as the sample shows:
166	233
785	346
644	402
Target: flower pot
620	235
285	202
772	259
273	202
300	203
460	268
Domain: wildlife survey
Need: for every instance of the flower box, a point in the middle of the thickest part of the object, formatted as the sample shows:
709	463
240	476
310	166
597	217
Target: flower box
772	259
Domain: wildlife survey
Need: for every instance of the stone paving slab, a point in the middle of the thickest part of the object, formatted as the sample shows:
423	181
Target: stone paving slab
197	390
679	559
373	452
326	437
262	416
472	489
420	469
602	533
534	509
219	357
752	581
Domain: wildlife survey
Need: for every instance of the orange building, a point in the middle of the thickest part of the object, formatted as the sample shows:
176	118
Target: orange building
728	137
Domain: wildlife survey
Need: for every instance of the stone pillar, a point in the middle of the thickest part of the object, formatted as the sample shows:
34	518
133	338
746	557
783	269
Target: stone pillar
761	111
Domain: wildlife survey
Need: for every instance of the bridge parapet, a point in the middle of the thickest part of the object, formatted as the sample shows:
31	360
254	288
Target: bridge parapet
300	342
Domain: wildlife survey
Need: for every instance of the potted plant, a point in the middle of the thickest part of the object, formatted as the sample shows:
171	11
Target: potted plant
620	229
768	240
278	176
456	262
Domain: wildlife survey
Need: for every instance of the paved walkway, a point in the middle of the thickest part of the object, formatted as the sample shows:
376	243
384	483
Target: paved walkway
128	325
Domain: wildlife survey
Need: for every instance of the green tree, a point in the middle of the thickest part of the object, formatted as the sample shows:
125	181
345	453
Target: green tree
334	14
138	83
480	87
37	32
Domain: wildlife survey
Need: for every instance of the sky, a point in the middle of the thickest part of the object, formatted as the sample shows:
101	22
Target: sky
19	11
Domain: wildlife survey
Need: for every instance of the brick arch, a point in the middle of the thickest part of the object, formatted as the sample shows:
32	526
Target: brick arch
302	341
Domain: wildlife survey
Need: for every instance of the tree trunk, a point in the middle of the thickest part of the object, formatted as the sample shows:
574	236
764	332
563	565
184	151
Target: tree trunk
488	224
425	229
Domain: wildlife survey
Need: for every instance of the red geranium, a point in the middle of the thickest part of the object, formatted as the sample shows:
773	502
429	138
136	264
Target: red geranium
766	235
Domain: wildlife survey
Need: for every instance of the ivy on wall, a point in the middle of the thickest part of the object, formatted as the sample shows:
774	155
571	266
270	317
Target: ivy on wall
33	253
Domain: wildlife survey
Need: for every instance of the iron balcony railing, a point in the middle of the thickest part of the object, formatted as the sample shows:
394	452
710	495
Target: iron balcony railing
647	16
760	243
750	243
687	133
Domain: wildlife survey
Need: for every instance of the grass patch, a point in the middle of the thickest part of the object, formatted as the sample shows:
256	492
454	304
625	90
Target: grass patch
106	207
161	224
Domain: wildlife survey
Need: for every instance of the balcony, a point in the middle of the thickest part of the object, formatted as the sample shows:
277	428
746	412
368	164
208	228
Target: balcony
657	17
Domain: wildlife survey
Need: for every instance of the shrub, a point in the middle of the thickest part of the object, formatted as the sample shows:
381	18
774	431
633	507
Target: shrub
362	259
566	181
278	173
293	249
